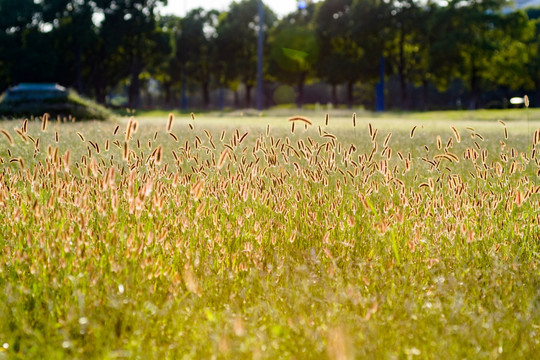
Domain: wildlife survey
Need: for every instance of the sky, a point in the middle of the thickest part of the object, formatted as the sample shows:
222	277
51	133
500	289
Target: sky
181	7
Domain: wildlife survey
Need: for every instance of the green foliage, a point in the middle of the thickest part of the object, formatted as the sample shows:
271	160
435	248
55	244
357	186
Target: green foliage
236	43
294	50
100	46
168	69
195	47
340	58
371	20
131	35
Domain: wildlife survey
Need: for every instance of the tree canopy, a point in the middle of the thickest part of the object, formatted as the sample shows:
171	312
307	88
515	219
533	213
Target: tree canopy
104	47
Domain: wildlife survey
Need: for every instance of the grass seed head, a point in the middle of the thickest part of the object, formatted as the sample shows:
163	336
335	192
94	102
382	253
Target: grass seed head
456	134
170	122
411	135
302	119
44	122
8	136
222	158
129	128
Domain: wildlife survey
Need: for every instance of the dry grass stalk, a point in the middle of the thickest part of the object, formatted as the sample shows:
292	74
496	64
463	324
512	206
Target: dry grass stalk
301	118
456	134
222	158
125	152
129	128
170	122
411	135
174	137
8	136
45	121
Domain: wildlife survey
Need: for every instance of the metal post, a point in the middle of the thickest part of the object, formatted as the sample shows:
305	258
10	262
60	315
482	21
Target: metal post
380	89
260	45
184	90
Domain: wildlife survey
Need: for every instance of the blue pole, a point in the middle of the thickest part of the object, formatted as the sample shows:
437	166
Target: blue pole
380	89
184	95
260	44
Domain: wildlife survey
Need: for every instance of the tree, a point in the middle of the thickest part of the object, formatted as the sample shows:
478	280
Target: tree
195	47
476	23
533	65
130	34
16	21
236	43
294	50
407	45
73	35
441	55
169	70
339	62
510	65
371	32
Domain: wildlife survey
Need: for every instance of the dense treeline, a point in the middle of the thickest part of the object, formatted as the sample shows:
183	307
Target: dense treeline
465	48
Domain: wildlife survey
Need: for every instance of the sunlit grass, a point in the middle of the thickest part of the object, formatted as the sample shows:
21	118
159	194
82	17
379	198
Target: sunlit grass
318	112
235	237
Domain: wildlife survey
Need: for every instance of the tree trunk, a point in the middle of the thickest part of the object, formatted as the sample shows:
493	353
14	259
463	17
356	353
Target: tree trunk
78	70
248	95
236	99
425	93
184	87
168	97
350	94
404	97
135	86
475	94
300	93
206	94
506	92
100	94
334	95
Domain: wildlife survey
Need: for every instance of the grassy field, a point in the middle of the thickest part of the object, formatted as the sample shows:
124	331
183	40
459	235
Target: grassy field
388	236
531	114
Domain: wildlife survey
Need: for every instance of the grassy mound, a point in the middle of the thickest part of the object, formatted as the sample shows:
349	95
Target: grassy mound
72	105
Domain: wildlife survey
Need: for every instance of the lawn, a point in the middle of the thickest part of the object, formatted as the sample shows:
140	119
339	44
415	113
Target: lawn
240	236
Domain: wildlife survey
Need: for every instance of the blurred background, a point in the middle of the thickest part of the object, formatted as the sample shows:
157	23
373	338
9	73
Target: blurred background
372	54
